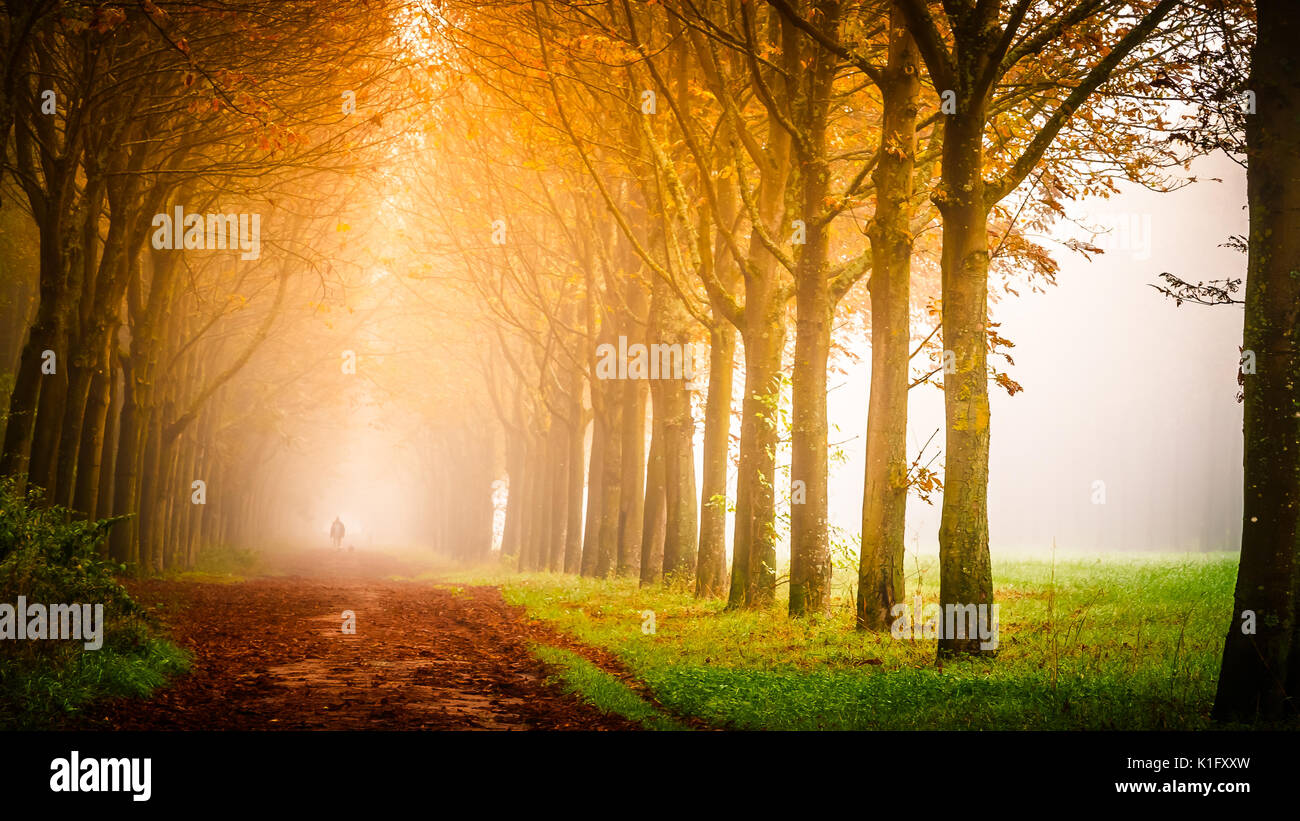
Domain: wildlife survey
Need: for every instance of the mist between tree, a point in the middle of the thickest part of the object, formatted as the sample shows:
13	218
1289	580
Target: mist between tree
772	297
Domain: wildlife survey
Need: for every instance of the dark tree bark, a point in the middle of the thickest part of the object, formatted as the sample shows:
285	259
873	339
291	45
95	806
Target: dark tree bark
1261	666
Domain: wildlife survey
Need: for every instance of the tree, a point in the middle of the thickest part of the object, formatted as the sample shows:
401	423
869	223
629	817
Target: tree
1261	656
884	495
968	55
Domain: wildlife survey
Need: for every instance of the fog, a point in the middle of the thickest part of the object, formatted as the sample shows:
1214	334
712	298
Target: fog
394	343
1126	436
1120	386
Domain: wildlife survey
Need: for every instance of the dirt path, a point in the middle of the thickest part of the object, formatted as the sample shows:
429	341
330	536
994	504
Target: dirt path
270	653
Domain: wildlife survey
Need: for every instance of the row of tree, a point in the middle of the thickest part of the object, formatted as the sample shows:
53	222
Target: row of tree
579	181
745	176
124	397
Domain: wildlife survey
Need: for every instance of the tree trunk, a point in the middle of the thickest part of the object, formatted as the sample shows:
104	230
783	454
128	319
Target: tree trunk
1261	669
558	502
710	580
810	558
510	536
576	479
611	482
152	488
656	499
682	526
91	448
107	465
81	377
527	494
965	573
881	582
753	564
48	332
49	418
595	501
632	484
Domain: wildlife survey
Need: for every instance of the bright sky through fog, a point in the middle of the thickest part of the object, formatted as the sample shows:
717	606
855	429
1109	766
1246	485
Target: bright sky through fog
1120	386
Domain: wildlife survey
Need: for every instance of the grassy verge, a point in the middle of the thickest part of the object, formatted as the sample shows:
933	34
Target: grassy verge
43	691
222	565
48	559
1109	643
578	676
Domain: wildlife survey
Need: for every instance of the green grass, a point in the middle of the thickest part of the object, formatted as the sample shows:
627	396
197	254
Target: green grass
605	692
454	589
1127	642
43	690
49	557
222	565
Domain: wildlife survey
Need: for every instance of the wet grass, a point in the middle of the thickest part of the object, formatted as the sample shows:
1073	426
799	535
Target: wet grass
222	565
40	691
576	675
1128	642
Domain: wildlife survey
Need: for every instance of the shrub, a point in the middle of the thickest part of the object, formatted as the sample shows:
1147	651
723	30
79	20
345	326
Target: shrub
49	558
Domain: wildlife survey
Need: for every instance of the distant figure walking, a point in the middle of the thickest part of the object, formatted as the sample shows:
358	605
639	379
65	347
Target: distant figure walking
336	532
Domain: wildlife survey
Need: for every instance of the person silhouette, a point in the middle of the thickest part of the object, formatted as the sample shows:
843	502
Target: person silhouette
336	532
